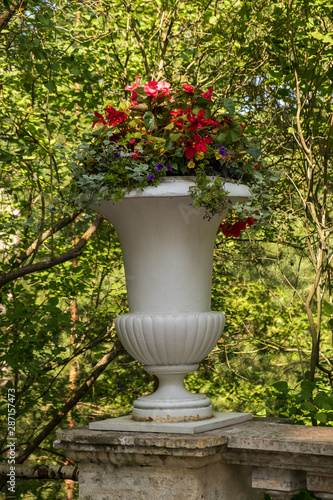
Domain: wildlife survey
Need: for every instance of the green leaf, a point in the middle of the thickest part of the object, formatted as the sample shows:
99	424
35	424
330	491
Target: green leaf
254	152
169	144
39	68
149	121
327	308
229	105
321	417
281	387
221	138
308	406
234	132
213	20
307	389
51	86
324	38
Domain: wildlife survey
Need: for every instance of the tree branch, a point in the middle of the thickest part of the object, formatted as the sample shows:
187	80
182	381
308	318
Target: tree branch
6	16
56	420
61	224
29	471
47	264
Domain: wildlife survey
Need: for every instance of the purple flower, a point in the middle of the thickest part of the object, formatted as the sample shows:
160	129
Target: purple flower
116	155
221	150
159	167
169	167
151	177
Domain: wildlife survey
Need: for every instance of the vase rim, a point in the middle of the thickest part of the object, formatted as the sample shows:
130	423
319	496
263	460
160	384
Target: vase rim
174	186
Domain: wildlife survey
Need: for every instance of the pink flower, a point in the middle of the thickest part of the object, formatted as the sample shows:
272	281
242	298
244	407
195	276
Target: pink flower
151	89
154	89
134	86
164	87
131	88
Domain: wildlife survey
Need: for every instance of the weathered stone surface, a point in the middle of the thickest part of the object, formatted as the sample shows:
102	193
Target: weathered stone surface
320	482
280	495
268	478
214	482
269	436
213	465
294	461
126	423
85	440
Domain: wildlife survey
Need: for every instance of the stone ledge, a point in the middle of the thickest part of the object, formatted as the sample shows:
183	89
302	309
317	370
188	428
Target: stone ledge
291	461
273	455
251	441
271	436
84	439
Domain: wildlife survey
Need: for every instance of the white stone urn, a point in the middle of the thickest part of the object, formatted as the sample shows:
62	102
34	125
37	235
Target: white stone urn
167	247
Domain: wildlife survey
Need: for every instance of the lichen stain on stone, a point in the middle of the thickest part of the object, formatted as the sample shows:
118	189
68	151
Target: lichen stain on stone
168	419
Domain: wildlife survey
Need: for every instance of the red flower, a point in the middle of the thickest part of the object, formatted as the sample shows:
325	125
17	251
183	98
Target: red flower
208	95
136	155
227	120
100	119
199	121
233	229
190	150
201	141
200	145
114	117
177	113
188	88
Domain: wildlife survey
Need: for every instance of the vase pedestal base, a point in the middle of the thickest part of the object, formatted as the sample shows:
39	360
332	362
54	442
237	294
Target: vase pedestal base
172	402
126	423
166	416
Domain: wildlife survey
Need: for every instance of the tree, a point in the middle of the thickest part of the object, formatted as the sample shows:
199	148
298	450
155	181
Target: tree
63	60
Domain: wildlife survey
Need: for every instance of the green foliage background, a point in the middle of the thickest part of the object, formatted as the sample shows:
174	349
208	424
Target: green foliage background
60	61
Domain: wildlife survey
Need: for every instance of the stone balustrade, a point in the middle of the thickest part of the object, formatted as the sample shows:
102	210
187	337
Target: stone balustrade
285	458
239	462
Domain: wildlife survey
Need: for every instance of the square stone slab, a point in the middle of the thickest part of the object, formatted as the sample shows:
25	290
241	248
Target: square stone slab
218	420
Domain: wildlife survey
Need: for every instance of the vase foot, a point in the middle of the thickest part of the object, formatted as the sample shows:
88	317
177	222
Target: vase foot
172	415
172	402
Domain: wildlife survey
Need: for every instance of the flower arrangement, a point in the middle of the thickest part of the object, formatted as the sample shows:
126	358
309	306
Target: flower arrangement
163	132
